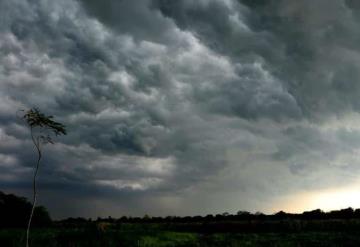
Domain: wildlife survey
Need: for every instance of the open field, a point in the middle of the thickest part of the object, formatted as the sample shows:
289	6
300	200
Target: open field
155	235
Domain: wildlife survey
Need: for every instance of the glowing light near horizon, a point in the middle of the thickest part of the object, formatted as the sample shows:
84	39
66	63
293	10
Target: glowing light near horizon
338	199
326	200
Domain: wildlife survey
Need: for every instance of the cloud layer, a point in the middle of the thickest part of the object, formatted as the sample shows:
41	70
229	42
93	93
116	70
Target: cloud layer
180	107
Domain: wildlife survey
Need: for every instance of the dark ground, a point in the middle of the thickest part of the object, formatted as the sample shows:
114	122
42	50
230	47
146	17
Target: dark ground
313	228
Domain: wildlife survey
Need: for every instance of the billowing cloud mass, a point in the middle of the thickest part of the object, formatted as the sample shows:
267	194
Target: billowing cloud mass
181	107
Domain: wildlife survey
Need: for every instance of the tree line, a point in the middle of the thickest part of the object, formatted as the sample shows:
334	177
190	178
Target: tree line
14	212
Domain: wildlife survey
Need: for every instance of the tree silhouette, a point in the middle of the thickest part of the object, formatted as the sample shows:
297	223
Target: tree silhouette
41	129
14	212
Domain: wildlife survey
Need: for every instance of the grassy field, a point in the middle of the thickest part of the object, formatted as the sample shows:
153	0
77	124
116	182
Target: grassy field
139	236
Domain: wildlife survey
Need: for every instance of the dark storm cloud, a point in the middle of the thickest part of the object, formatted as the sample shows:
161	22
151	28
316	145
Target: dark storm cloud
135	18
116	99
312	49
168	100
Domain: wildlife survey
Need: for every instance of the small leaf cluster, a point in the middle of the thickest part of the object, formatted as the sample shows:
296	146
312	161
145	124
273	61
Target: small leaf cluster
36	119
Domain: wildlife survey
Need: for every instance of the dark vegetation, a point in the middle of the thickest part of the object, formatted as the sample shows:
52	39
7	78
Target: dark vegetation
15	211
313	228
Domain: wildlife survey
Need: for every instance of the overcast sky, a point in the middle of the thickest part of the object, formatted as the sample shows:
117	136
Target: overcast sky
182	107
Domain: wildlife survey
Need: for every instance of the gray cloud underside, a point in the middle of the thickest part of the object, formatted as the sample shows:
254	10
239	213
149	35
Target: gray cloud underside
236	102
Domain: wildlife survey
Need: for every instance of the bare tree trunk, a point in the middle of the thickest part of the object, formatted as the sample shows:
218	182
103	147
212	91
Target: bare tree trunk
37	145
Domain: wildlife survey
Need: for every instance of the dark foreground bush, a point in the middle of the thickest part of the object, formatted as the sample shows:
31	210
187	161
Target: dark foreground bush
15	211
